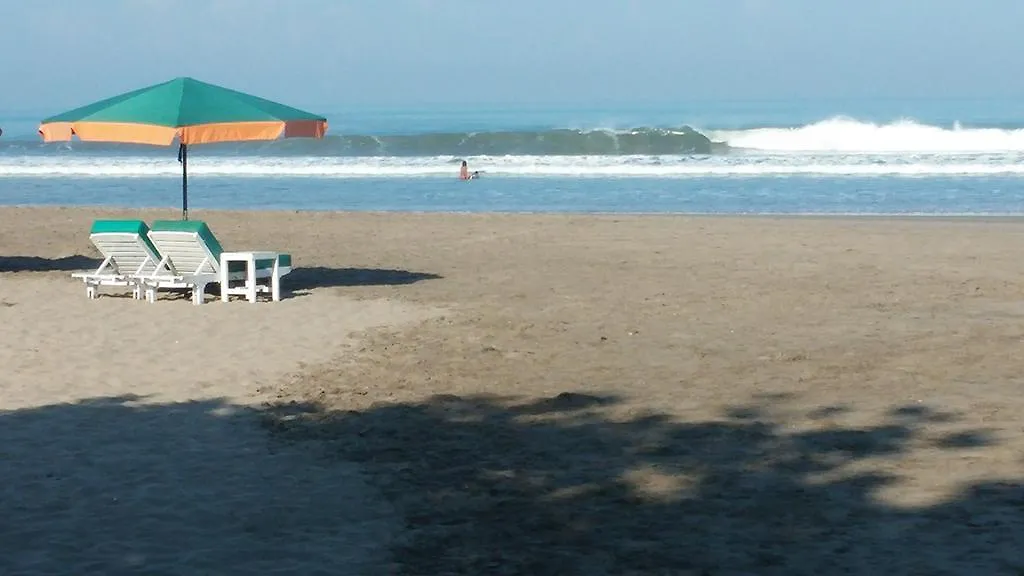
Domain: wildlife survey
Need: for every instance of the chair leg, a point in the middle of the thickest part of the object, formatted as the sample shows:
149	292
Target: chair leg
90	291
198	293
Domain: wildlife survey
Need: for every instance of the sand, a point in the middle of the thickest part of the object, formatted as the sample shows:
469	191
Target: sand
533	394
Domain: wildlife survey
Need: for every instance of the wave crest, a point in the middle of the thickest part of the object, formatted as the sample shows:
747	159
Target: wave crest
560	142
555	142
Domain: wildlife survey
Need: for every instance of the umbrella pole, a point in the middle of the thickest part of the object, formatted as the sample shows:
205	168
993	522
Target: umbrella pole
183	158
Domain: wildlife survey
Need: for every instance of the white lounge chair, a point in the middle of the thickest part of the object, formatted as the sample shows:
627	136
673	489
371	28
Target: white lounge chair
127	253
191	258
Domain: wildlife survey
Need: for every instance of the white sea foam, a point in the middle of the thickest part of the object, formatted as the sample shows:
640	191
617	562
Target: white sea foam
744	165
842	134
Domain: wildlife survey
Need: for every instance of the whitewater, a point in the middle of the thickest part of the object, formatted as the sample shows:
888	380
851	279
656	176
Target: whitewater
846	135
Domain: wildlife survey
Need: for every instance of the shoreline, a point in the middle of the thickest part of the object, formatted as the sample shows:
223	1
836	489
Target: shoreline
853	216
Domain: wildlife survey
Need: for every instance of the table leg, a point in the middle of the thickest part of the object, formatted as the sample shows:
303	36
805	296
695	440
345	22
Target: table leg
250	280
275	281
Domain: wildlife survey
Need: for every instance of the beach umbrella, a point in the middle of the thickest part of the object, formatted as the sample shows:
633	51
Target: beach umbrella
186	111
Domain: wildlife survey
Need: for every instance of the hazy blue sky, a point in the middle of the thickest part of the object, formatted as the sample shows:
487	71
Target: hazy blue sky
59	53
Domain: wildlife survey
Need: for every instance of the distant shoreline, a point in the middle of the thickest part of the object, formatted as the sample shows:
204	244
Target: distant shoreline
197	212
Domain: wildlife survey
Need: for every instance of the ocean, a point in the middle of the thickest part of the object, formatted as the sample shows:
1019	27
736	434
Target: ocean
871	157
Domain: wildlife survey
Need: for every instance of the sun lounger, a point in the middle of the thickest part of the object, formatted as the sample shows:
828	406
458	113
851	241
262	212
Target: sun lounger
191	257
127	255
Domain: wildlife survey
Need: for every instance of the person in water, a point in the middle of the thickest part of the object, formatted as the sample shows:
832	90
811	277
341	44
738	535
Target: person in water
465	174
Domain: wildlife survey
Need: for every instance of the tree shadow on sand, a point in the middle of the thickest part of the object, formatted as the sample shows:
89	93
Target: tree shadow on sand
40	264
122	486
494	485
310	277
486	485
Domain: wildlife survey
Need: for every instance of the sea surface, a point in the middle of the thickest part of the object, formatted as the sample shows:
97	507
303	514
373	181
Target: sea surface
888	157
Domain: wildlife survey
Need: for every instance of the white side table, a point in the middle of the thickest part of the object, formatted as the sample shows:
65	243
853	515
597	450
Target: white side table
249	289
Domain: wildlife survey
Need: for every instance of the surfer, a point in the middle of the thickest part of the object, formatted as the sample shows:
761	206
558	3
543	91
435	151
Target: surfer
465	174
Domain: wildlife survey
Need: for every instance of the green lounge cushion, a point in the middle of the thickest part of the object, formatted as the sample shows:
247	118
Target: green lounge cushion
284	259
195	226
137	227
119	227
199	227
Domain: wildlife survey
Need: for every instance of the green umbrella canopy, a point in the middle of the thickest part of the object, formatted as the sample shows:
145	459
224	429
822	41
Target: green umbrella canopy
194	112
186	110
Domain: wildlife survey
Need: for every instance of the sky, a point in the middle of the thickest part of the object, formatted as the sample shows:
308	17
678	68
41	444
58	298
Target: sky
421	53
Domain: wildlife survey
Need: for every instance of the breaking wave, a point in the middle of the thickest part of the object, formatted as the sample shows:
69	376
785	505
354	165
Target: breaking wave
846	135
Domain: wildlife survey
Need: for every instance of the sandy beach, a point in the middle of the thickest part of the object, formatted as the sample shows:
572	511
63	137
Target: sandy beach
522	394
